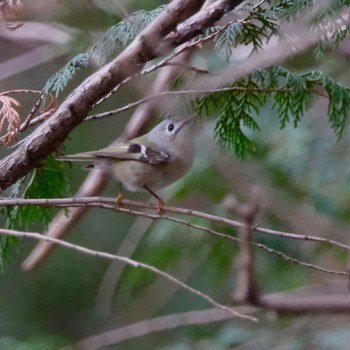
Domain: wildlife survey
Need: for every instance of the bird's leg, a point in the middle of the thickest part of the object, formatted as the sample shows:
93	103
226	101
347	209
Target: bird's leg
160	201
120	197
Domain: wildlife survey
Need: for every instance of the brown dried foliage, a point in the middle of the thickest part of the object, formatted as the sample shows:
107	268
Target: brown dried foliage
9	116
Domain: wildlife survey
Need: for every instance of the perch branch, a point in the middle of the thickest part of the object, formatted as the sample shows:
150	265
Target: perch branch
107	203
101	201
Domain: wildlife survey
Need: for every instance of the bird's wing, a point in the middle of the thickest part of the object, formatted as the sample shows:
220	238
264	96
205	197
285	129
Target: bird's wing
131	151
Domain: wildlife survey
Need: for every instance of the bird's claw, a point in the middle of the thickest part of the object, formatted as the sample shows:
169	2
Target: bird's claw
119	200
160	206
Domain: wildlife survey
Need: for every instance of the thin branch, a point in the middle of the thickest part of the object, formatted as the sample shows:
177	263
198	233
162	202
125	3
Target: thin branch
157	324
336	302
100	201
189	46
190	92
237	224
29	119
258	4
163	323
125	260
113	91
20	91
299	262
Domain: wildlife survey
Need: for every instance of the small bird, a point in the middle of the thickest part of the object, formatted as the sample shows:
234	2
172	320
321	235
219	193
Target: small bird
149	162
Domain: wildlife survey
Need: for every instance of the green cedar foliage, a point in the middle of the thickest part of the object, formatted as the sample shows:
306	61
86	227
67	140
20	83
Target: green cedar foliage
46	181
116	37
58	82
122	34
290	93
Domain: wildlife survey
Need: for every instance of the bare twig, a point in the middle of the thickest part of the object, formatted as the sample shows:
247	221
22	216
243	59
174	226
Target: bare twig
299	262
188	46
127	261
29	119
152	325
77	203
297	301
101	201
258	4
20	91
162	323
187	93
332	302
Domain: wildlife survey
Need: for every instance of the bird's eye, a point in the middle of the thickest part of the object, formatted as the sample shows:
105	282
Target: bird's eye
170	127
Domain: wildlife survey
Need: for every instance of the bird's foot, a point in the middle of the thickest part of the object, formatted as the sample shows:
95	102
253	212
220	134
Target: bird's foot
119	200
160	206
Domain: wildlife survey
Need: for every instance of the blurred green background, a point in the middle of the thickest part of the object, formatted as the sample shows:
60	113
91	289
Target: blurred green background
303	172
